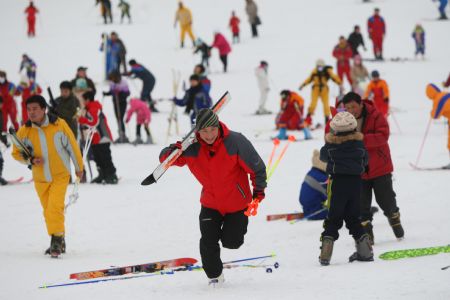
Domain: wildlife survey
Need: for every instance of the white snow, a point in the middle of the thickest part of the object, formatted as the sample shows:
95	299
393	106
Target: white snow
128	223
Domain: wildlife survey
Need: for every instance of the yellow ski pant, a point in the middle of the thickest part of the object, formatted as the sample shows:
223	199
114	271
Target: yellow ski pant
323	94
187	29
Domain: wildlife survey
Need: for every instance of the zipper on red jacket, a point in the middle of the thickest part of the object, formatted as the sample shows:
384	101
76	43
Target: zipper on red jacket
240	190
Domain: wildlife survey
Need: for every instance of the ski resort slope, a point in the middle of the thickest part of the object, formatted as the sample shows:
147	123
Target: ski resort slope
129	224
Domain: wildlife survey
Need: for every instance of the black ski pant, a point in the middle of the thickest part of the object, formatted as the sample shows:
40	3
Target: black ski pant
254	29
138	129
146	93
224	60
344	206
1	164
120	107
214	227
103	159
384	195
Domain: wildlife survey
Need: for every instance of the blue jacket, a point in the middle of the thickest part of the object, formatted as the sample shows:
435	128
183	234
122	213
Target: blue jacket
344	155
143	74
194	99
313	193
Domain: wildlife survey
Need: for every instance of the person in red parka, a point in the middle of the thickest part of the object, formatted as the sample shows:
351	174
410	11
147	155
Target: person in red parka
221	43
377	30
31	12
222	161
234	26
343	53
7	92
101	140
27	88
378	177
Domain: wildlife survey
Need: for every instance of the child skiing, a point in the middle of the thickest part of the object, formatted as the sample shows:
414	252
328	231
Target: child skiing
346	159
101	140
222	161
205	51
291	115
234	26
143	117
378	90
419	38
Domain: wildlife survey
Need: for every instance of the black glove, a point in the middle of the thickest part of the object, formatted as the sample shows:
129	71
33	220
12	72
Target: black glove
106	94
258	194
175	146
386	100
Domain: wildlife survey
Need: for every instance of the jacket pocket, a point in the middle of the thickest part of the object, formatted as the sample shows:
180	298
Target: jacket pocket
240	190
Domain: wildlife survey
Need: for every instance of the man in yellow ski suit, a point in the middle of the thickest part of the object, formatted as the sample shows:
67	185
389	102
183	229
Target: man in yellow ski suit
184	16
52	146
441	107
319	78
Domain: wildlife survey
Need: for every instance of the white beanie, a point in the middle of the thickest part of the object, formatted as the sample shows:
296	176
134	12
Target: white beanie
317	163
343	122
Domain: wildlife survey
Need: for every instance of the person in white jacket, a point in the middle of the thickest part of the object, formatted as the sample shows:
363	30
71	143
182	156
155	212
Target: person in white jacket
263	83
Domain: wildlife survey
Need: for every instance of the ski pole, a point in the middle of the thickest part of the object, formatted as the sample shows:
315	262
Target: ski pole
423	142
395	121
276	143
309	216
291	139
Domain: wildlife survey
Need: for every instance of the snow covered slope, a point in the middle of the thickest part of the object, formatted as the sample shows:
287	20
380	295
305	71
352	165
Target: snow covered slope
127	223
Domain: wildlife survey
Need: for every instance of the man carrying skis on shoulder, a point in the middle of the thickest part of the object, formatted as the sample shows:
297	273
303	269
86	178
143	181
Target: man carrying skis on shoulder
221	160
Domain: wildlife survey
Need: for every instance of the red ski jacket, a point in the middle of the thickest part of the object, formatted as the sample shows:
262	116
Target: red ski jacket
234	24
31	12
223	169
376	26
343	55
95	118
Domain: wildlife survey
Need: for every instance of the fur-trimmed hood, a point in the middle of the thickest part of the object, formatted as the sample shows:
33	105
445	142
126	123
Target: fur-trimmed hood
339	139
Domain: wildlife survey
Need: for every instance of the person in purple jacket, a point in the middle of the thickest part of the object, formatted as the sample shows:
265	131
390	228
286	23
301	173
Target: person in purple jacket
119	91
419	38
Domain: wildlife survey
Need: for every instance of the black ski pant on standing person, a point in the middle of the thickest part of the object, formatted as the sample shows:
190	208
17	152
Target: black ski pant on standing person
344	206
224	60
254	29
120	107
214	227
103	159
384	195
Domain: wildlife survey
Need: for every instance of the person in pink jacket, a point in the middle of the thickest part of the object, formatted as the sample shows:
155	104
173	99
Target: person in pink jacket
221	43
143	117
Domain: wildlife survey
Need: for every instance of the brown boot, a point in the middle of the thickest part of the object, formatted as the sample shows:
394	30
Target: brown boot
326	250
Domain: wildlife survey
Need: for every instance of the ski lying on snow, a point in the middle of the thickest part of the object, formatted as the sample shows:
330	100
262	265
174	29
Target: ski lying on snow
287	217
407	253
147	268
15	181
415	167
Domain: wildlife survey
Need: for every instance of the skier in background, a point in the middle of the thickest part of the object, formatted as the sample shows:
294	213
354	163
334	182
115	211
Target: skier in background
148	82
222	161
355	39
262	77
184	16
360	75
221	43
119	51
319	78
3	140
378	91
377	31
313	192
30	67
27	88
101	140
441	108
205	51
234	26
31	12
343	53
194	99
7	92
68	106
291	115
419	39
105	9
143	118
124	11
252	12
52	146
442	6
119	90
202	74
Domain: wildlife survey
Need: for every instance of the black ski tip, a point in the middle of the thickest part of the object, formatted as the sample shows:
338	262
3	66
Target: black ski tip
149	180
12	130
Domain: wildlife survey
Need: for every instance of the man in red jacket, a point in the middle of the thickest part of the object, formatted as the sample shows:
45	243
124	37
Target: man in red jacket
7	92
221	160
378	177
343	53
377	30
31	12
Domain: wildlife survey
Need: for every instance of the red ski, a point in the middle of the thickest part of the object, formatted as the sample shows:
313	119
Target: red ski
15	181
147	268
287	217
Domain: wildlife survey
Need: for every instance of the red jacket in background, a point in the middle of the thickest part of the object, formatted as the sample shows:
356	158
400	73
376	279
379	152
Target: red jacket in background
7	92
31	12
223	169
234	24
95	118
376	27
27	92
221	44
343	55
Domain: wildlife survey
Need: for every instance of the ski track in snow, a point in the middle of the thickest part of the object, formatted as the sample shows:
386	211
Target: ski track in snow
127	223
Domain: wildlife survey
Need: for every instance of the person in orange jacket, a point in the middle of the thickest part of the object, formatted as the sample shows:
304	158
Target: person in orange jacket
31	12
291	115
343	53
379	90
441	108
